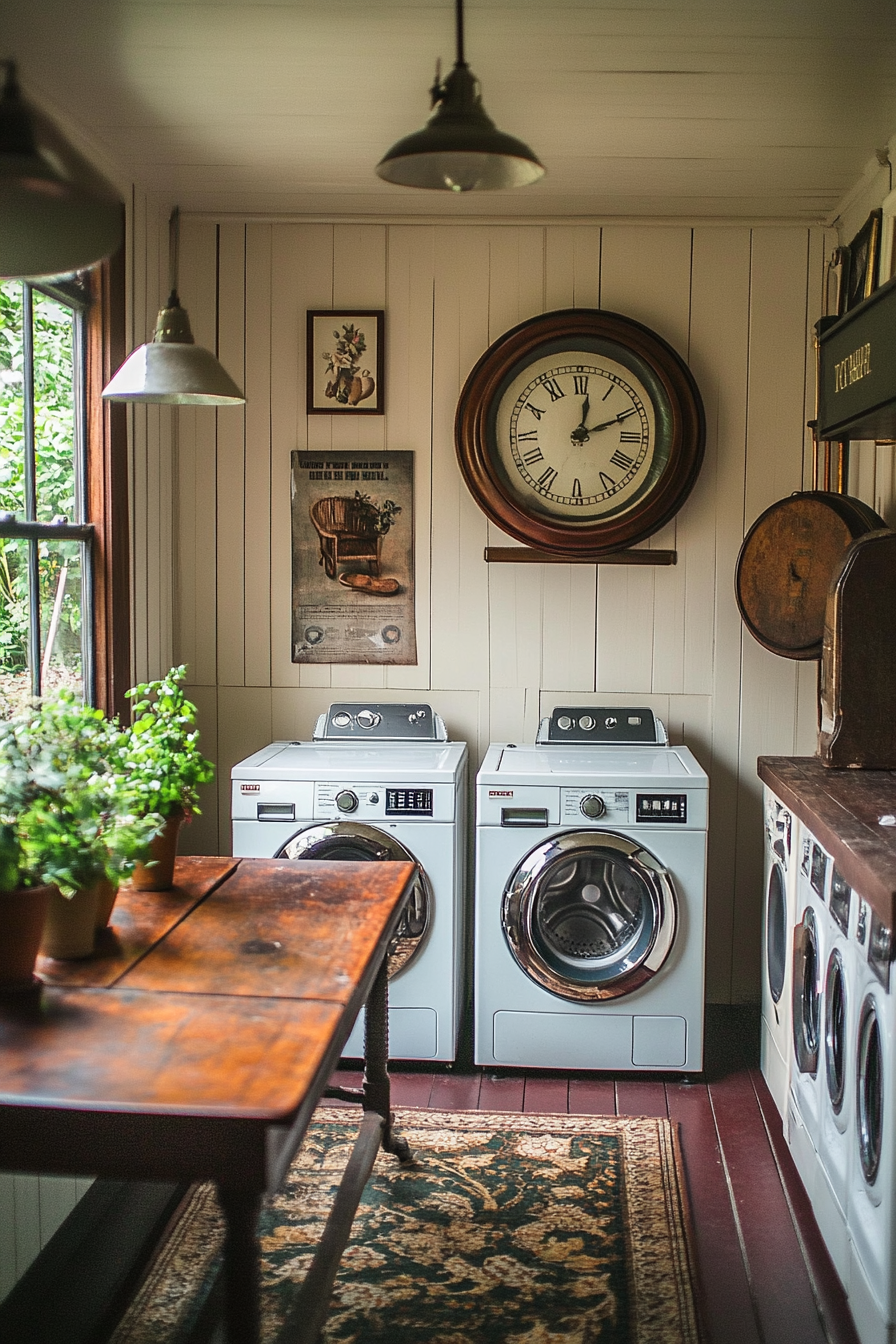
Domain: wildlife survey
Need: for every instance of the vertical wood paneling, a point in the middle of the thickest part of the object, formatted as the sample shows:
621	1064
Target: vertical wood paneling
244	726
207	832
195	496
257	539
409	377
719	346
231	459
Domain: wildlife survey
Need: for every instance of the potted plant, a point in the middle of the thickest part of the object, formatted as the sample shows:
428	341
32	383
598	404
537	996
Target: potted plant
164	768
67	816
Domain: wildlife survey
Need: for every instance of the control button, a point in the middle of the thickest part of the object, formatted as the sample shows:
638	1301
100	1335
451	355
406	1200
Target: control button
610	721
373	797
586	723
593	806
367	718
341	720
346	801
564	722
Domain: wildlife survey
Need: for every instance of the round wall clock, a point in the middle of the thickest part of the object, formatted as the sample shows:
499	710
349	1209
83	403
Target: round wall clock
580	432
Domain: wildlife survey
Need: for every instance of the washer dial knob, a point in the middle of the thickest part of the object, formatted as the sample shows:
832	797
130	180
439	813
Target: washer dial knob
593	806
346	800
368	718
586	723
342	720
564	722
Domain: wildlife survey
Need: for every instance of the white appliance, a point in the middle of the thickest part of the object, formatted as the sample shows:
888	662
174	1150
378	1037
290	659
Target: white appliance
590	897
777	932
835	1135
810	948
871	1215
378	781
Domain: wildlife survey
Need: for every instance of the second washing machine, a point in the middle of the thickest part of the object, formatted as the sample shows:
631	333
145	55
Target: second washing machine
590	897
377	782
777	931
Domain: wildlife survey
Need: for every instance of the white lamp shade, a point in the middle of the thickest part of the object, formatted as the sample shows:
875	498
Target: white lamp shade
173	374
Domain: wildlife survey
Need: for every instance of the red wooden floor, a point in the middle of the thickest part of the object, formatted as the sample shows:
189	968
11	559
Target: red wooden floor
765	1275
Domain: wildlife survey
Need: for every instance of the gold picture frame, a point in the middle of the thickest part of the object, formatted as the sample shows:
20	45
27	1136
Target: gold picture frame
863	265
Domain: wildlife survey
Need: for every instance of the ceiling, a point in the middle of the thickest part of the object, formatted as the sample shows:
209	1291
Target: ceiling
756	109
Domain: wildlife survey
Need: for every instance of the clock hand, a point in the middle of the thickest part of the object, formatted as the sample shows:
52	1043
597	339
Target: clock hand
623	415
580	434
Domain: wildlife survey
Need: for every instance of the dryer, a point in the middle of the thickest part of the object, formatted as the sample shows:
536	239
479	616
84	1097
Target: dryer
377	782
809	958
871	1215
590	897
778	920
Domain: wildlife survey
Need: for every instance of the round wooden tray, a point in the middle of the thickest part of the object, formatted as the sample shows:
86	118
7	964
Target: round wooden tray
787	562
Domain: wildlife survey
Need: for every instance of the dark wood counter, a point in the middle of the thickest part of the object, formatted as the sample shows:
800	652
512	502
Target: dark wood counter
842	809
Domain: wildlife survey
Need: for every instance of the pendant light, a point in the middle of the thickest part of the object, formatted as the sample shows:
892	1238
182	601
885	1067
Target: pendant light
57	213
171	369
459	148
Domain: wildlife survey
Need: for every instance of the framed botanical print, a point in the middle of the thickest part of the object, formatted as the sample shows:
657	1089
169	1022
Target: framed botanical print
346	360
862	267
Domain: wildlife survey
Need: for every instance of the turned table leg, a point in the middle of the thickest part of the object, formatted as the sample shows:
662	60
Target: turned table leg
242	1279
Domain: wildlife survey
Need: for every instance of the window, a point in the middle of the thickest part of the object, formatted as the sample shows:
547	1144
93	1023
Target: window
63	494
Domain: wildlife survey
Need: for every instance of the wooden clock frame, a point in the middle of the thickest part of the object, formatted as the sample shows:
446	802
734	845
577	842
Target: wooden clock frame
475	419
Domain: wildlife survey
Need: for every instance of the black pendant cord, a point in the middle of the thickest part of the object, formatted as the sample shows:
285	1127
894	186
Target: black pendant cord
173	253
459	24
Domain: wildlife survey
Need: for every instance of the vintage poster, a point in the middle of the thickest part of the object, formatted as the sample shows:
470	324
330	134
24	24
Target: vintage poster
353	558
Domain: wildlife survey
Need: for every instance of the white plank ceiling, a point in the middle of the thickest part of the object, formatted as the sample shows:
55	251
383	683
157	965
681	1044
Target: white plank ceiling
648	108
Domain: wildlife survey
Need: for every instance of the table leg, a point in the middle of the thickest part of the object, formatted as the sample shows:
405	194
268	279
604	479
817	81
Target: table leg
242	1277
376	1089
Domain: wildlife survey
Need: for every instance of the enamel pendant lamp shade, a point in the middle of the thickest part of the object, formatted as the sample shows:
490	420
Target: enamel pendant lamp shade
57	214
171	369
459	148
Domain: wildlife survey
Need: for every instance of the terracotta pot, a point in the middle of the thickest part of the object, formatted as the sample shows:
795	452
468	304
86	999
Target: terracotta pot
23	913
158	873
70	930
106	893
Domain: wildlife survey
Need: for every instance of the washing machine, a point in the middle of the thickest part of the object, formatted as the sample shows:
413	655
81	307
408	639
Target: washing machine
810	946
377	782
590	897
777	931
871	1283
835	1073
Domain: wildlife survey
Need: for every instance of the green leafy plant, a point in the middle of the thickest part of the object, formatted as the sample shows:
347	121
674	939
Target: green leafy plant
160	754
68	814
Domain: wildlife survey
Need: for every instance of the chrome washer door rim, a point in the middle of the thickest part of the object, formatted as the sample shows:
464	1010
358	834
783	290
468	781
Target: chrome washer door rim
643	944
317	842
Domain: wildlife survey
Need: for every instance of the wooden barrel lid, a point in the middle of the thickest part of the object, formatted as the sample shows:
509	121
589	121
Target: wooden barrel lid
787	562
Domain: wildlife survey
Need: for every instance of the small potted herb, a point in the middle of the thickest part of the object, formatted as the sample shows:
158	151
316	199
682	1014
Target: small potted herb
67	816
164	768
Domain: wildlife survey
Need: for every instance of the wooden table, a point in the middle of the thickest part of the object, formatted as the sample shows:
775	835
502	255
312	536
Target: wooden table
197	1043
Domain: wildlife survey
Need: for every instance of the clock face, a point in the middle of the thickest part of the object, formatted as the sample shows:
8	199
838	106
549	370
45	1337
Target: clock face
575	435
580	432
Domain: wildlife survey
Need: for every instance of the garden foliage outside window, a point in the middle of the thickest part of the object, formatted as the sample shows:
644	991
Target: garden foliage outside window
46	539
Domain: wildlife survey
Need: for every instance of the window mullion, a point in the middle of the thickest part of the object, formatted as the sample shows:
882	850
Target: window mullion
28	404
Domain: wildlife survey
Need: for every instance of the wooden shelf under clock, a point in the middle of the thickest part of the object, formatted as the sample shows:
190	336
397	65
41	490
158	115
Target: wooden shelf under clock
527	555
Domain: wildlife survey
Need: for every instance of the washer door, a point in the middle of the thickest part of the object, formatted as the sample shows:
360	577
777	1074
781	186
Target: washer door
806	994
869	1091
353	842
835	1042
776	932
590	915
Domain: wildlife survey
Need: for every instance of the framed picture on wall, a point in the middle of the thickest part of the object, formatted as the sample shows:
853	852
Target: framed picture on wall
862	268
346	360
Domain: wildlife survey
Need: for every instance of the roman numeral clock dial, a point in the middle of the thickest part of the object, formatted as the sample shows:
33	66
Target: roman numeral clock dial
580	432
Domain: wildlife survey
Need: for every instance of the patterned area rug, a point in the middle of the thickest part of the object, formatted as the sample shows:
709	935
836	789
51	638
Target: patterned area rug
513	1228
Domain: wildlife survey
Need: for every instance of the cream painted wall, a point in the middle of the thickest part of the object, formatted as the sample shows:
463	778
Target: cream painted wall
499	645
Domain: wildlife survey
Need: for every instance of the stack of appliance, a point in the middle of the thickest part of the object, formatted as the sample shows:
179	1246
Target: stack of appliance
590	899
376	782
840	1115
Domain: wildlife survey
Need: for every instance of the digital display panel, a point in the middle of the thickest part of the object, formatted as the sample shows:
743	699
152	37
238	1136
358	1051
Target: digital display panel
409	802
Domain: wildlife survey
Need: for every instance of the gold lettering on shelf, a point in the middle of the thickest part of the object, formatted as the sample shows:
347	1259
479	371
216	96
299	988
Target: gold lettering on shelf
852	368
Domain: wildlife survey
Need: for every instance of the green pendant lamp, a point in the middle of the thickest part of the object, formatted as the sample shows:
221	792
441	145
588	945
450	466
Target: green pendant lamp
459	148
171	370
57	213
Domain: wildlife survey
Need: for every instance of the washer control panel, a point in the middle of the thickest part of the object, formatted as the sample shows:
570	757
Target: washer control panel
377	802
580	806
591	724
379	722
